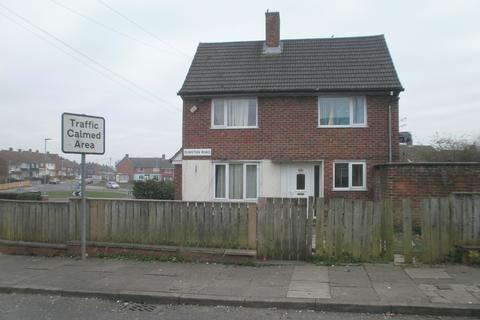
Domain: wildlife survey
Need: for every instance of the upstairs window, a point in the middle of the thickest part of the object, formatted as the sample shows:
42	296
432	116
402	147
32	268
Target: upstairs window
342	112
234	113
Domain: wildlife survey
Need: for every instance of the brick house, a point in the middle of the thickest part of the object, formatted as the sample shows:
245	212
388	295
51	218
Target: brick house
141	169
287	118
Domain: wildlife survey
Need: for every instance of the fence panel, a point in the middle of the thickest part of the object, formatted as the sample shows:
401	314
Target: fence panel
221	225
352	228
284	228
34	221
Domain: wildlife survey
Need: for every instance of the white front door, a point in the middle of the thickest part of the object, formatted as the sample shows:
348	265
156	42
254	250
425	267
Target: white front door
298	180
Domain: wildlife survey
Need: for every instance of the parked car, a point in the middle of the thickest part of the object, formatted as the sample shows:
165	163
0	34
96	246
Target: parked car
54	181
112	185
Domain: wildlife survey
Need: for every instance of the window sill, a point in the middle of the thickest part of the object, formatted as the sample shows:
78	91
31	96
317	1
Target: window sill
230	128
235	200
347	126
350	189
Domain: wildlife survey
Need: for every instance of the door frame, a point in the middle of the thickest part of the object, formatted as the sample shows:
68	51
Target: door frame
286	174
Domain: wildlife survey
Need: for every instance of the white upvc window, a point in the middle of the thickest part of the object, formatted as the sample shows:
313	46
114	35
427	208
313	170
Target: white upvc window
235	181
342	112
349	175
234	113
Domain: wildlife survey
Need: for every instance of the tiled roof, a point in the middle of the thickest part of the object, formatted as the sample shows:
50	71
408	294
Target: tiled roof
305	65
151	163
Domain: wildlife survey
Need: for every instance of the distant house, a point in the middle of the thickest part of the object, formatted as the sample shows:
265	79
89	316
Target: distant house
28	165
142	169
3	170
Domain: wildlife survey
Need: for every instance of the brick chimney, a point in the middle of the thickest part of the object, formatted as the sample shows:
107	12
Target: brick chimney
272	33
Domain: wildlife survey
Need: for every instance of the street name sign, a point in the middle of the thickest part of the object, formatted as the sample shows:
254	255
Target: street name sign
83	134
197	152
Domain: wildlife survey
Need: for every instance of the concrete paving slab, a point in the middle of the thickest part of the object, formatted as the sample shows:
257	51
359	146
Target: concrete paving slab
43	264
298	285
457	296
308	289
386	273
310	273
138	282
348	277
64	279
313	294
395	292
382	286
268	292
354	294
427	273
10	276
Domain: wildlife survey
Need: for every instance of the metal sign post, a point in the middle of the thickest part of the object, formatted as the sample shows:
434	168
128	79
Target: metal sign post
83	214
83	134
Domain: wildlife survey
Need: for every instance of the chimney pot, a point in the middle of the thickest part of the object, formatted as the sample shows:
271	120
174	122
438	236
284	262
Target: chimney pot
272	32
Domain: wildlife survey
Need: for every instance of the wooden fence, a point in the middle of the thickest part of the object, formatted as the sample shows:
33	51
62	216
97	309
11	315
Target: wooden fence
364	230
284	229
34	221
353	228
203	224
14	185
277	228
446	223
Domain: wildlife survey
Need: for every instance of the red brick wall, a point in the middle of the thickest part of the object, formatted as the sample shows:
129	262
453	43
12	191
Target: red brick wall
125	166
418	181
288	130
178	181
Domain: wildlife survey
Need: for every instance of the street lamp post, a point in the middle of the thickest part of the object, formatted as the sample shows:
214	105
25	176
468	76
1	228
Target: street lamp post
45	162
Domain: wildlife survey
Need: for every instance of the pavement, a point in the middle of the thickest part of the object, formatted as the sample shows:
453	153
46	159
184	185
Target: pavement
450	290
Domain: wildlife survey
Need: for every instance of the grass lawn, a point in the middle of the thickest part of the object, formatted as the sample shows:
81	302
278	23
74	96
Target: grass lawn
89	194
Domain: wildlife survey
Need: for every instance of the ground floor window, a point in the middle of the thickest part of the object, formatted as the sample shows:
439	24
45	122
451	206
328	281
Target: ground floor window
349	175
236	181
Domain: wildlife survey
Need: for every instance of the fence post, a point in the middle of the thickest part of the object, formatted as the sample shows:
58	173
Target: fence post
309	222
252	226
426	230
261	215
407	229
387	229
320	216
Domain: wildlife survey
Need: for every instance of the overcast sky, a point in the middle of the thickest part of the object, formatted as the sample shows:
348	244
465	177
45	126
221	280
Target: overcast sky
127	65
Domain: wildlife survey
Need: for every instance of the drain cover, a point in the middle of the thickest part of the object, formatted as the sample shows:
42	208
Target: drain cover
138	307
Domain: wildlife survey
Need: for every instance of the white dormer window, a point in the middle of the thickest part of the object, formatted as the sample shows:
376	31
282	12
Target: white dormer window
342	112
234	113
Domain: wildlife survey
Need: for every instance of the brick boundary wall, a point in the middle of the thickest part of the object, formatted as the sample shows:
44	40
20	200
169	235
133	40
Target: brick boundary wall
422	180
177	178
418	181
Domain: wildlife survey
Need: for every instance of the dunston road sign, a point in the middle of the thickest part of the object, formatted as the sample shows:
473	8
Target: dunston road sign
83	134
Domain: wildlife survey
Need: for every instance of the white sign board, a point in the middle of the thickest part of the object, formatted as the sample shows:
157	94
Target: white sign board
83	134
197	152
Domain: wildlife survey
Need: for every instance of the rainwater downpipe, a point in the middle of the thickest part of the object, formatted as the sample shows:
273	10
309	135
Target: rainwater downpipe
390	127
